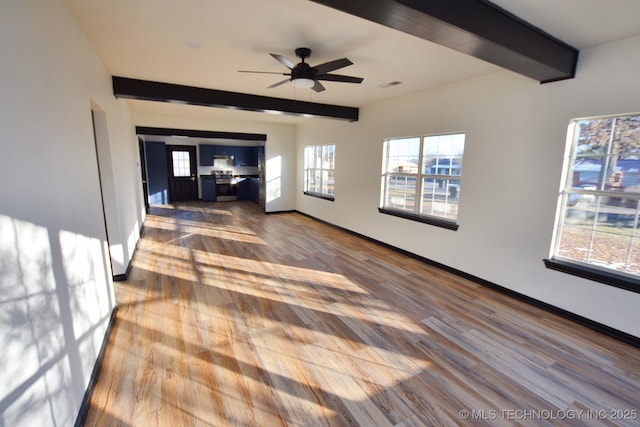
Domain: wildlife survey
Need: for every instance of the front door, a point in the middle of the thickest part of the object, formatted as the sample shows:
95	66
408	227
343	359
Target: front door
181	162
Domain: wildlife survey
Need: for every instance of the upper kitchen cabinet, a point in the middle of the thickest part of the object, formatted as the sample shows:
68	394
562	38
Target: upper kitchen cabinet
244	157
224	150
206	154
253	155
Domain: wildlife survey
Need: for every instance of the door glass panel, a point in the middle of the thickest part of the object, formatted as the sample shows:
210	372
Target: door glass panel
181	163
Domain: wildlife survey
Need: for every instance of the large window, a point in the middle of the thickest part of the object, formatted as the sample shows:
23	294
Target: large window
319	171
597	225
421	178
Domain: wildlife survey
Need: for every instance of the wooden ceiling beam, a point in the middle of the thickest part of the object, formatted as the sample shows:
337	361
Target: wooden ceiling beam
146	90
474	27
196	133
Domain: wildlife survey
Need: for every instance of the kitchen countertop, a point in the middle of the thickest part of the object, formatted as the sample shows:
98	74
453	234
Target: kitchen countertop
235	176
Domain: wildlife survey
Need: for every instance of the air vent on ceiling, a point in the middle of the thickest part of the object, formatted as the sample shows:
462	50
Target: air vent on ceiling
386	85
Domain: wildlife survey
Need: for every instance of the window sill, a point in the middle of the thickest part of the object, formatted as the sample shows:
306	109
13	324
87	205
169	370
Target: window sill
449	225
593	273
320	196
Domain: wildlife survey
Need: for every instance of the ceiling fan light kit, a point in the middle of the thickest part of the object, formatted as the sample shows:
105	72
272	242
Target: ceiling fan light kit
303	75
303	83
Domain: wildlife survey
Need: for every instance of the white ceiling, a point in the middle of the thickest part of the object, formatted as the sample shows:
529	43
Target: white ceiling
205	42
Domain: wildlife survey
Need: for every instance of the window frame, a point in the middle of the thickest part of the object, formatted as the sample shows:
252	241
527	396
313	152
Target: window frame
585	269
420	176
319	171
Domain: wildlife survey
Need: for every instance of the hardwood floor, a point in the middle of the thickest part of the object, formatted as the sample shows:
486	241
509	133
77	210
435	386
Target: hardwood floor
233	317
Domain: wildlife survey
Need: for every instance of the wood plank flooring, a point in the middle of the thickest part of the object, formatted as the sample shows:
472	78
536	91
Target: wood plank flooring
231	317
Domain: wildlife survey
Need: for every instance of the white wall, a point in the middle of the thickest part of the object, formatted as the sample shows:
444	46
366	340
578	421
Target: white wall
56	290
515	140
280	148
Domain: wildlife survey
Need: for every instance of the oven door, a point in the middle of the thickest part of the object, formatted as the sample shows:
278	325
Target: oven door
225	189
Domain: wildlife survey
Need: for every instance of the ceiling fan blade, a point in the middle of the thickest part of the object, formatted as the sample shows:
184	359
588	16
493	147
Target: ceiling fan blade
262	72
318	87
332	66
278	84
340	78
284	61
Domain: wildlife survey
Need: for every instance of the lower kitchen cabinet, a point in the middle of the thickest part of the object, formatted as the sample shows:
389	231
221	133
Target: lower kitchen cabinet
248	189
254	189
208	188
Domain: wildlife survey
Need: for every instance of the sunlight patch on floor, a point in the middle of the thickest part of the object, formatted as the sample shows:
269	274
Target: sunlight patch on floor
237	234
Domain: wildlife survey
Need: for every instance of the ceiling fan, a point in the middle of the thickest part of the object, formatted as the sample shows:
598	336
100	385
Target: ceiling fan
305	76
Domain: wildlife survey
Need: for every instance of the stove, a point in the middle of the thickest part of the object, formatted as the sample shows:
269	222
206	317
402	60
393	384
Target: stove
223	177
225	186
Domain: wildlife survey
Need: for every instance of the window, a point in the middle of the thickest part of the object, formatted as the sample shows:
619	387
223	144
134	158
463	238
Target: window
597	225
421	178
319	171
181	163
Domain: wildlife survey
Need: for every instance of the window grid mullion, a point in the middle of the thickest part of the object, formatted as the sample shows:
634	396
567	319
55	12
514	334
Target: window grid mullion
632	238
419	180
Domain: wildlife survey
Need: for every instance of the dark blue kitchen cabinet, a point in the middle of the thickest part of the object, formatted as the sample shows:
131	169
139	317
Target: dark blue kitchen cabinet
254	189
157	172
208	188
247	156
224	150
247	189
206	154
242	189
253	156
244	157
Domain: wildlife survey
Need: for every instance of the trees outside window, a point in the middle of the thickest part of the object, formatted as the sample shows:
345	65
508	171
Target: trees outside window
597	224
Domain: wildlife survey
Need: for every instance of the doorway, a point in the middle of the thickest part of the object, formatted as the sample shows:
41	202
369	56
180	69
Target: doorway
143	170
106	186
181	165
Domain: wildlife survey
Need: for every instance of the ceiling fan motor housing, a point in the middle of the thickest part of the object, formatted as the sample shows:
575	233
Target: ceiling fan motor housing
303	71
